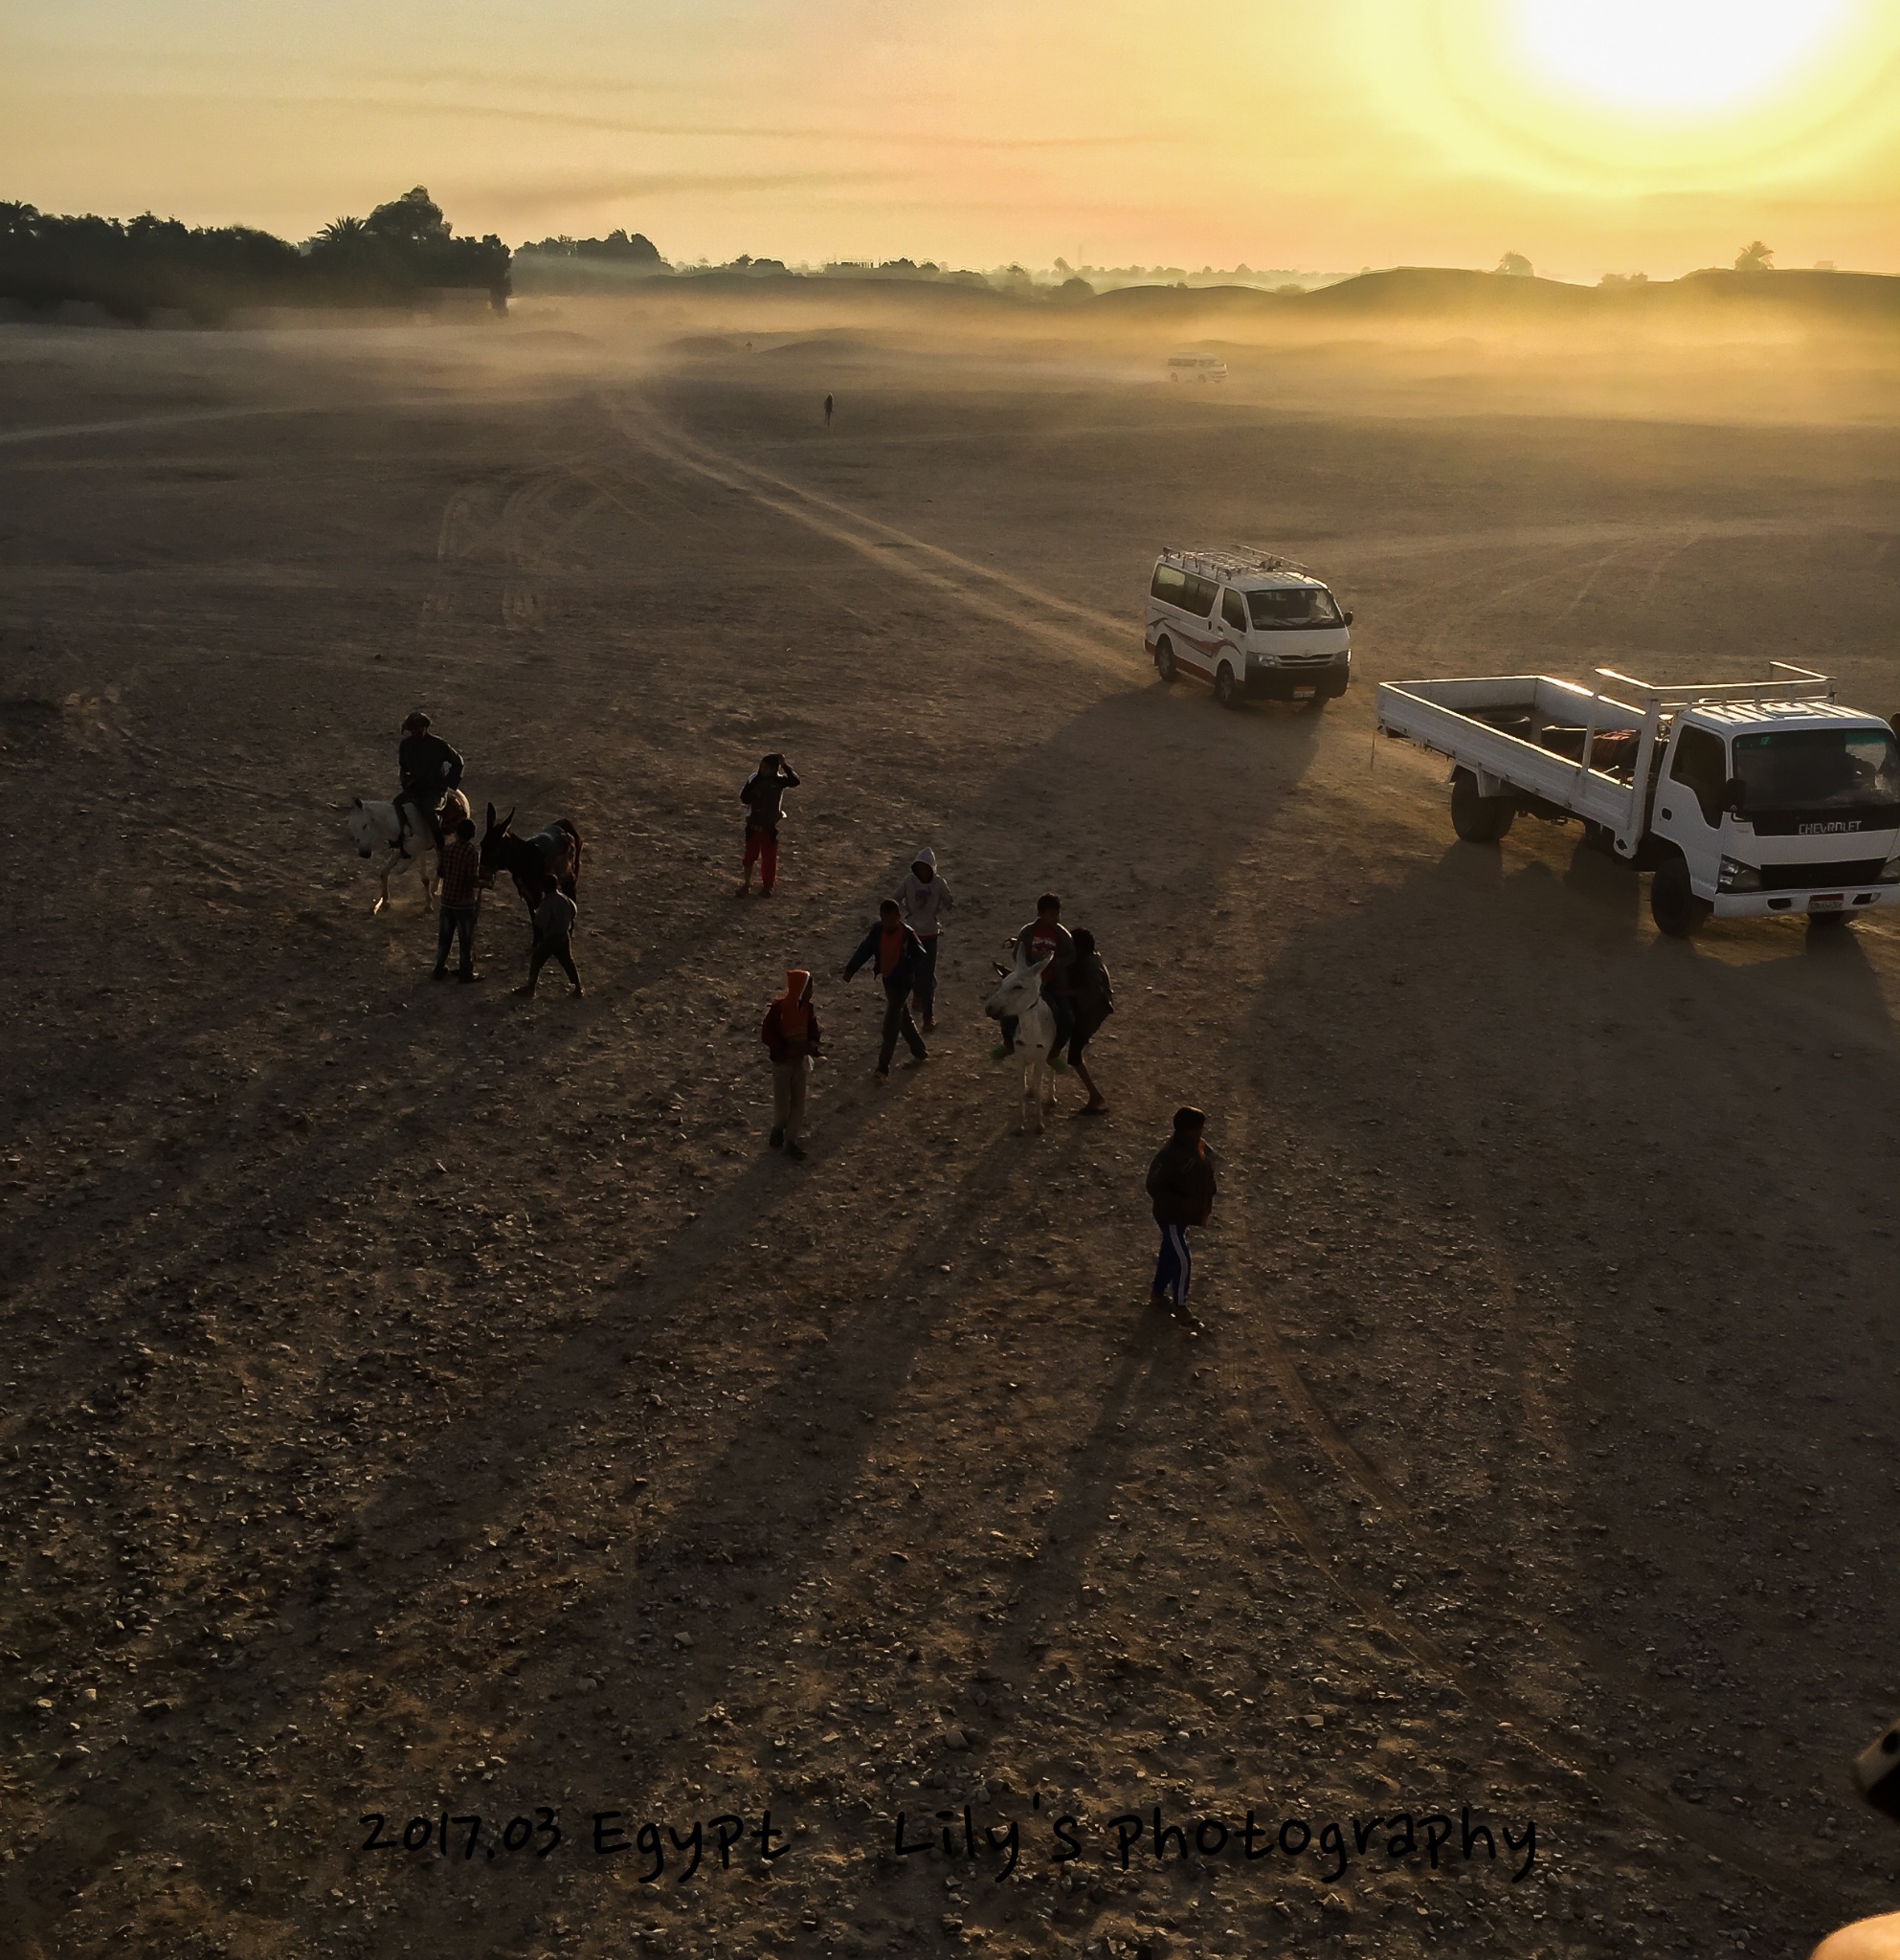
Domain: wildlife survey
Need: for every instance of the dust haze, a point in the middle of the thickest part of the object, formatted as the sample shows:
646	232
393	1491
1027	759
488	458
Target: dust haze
422	1404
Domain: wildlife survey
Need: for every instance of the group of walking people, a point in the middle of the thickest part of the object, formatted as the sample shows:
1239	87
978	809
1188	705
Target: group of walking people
901	947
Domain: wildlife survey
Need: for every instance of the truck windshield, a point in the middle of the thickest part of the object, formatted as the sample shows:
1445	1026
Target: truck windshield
1293	606
1818	768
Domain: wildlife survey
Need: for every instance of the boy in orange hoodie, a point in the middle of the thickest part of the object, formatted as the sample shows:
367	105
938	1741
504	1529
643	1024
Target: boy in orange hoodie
792	1035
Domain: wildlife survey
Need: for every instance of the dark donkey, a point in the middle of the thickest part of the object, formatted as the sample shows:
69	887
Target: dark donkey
537	865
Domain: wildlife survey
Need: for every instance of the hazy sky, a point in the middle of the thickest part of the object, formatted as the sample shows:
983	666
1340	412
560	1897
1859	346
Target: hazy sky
1593	135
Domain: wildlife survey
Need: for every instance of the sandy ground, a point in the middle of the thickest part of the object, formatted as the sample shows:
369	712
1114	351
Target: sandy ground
421	1405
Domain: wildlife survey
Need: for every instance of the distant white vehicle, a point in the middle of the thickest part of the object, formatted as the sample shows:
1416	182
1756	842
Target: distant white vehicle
1251	625
1196	368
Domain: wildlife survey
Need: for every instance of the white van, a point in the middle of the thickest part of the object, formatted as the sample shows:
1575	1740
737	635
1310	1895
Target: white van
1252	626
1196	368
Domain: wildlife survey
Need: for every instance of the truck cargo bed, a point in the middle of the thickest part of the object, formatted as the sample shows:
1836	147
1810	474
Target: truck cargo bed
1578	751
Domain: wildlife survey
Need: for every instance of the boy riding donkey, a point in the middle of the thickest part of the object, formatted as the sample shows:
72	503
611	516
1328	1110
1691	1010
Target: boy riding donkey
431	773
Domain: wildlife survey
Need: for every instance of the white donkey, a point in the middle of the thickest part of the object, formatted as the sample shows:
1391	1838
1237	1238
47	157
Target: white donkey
1019	996
397	829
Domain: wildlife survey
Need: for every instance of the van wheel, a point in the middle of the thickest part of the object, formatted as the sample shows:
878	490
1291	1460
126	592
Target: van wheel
1672	901
1164	660
1226	691
1478	819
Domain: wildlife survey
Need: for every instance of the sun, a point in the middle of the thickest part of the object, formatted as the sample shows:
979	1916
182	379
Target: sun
1678	58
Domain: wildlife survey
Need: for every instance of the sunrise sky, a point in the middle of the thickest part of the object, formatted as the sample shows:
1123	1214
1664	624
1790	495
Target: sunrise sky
1618	135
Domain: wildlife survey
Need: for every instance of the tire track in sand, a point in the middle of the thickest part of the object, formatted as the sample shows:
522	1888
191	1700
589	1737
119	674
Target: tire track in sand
890	549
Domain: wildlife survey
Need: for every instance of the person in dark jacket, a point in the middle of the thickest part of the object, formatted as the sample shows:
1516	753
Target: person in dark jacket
1092	1000
1181	1183
791	1035
899	954
763	795
430	769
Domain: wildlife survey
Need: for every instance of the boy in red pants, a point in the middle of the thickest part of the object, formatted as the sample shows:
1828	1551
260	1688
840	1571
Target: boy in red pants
762	795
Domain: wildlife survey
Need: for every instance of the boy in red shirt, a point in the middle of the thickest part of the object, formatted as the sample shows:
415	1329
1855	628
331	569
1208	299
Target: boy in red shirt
900	960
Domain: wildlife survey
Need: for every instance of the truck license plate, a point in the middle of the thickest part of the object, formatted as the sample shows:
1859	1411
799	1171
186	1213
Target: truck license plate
1825	902
1302	693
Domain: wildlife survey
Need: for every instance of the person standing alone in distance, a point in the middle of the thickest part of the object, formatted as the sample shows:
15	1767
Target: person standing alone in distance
762	797
827	411
1180	1181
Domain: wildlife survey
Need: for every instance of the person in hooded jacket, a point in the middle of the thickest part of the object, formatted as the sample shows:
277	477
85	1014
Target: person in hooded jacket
899	956
792	1035
925	903
1181	1183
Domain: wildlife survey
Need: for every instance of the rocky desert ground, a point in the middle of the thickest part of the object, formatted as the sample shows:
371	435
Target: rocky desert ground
461	1494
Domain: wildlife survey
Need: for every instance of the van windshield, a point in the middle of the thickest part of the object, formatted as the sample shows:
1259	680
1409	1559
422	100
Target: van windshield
1293	606
1818	768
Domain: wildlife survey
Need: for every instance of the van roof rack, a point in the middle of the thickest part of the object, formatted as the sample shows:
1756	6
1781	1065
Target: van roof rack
1239	562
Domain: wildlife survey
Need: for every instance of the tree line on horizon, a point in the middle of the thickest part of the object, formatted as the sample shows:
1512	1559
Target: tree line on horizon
403	251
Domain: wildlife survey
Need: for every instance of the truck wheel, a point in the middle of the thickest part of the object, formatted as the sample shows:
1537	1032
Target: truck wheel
1672	901
1164	660
1225	690
1477	820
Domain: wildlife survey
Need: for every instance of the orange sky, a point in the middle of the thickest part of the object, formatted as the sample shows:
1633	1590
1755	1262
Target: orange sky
1325	135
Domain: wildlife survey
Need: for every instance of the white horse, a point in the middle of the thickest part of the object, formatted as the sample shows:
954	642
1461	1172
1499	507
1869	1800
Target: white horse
1019	996
396	828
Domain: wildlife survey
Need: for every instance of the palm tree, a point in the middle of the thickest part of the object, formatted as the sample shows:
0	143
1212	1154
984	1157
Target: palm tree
340	231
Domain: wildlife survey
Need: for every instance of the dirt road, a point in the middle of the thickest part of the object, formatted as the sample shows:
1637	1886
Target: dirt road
425	1405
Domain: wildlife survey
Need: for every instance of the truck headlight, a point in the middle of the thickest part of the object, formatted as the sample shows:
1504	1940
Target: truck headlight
1737	877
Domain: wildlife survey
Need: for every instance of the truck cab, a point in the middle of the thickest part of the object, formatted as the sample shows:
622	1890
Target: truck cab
1779	806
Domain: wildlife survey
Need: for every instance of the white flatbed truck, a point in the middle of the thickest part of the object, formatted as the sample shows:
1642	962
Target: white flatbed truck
1744	800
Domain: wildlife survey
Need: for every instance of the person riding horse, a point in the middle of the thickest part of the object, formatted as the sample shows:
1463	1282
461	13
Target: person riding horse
429	770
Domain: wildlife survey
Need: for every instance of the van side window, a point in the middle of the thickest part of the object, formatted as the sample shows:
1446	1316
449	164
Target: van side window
1200	595
1701	764
1170	584
1233	612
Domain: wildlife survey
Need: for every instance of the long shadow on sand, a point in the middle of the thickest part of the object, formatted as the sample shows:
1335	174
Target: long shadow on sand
1114	769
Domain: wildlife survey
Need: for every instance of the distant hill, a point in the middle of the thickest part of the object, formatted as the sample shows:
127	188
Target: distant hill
1445	292
1439	295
